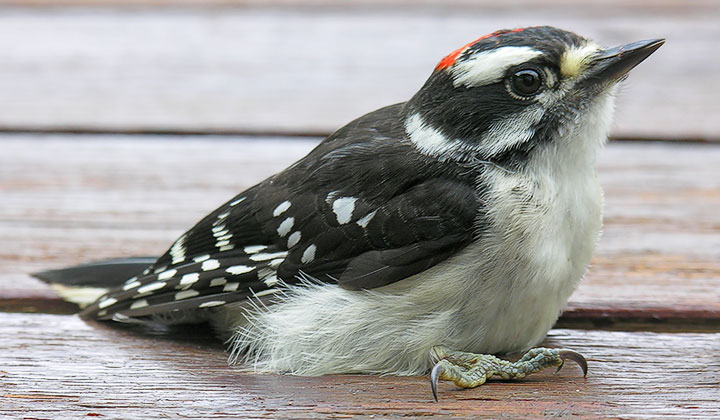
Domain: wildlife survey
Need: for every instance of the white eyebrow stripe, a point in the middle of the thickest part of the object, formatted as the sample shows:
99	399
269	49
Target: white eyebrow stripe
490	66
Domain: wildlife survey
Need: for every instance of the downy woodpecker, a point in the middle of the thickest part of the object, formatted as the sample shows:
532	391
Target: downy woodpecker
458	222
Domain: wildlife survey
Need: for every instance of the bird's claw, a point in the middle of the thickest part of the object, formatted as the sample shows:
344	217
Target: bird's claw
469	370
566	354
437	370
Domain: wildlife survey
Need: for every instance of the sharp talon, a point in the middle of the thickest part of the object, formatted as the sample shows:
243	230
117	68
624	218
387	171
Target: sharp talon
434	376
562	363
575	357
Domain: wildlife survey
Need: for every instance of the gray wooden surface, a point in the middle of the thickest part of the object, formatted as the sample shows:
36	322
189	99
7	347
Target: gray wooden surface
62	368
313	66
71	199
308	66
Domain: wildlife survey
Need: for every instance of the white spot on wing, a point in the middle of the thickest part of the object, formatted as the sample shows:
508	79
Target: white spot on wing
281	208
218	282
285	226
240	269
238	201
186	294
222	236
167	274
139	304
177	251
189	279
231	287
309	255
107	302
118	317
265	292
365	220
331	196
343	209
151	287
293	239
210	265
268	256
211	303
271	281
131	285
252	249
201	258
490	66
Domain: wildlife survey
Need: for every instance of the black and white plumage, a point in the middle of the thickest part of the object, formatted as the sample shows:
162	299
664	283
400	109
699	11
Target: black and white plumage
348	213
464	217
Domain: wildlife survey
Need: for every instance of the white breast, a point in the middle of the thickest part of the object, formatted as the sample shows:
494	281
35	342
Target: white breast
500	294
544	224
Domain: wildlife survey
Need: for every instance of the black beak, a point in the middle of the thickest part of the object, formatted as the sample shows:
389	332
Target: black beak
613	64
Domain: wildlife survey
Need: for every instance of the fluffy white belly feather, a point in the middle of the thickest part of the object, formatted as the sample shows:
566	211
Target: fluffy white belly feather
500	294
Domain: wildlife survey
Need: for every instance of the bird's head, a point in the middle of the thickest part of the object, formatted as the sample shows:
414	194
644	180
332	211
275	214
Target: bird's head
508	94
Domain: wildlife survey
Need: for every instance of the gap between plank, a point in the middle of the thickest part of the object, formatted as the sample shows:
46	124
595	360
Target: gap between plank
162	131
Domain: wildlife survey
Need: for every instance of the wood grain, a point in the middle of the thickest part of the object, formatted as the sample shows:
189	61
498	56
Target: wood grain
374	4
660	249
68	200
60	367
307	67
311	66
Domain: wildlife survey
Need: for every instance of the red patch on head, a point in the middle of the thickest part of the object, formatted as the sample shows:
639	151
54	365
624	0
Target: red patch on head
451	58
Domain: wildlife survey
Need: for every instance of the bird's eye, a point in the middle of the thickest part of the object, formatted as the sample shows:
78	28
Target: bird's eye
525	82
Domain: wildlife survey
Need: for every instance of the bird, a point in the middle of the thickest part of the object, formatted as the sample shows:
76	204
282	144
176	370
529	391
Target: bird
427	236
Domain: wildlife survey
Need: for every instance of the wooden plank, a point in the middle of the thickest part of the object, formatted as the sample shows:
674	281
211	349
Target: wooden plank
602	5
313	69
68	200
660	250
60	367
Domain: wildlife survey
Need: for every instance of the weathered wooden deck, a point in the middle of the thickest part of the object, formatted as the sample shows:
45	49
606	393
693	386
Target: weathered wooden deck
647	316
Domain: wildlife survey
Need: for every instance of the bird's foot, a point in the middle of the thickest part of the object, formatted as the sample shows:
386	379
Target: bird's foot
469	370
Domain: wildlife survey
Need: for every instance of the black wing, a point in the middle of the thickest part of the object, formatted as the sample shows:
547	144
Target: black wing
364	209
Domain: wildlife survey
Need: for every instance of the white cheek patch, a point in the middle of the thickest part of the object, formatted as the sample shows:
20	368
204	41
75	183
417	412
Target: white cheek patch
490	66
500	136
510	132
428	140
